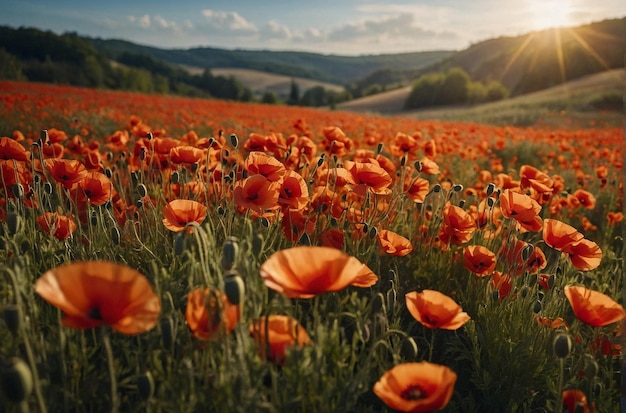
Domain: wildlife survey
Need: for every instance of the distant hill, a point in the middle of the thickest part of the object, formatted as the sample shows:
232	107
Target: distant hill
327	68
590	97
542	59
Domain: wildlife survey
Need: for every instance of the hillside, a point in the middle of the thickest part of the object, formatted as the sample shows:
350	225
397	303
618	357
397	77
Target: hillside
545	58
327	68
261	82
597	96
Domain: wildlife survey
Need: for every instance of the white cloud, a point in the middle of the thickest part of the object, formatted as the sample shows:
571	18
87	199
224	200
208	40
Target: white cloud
228	21
275	31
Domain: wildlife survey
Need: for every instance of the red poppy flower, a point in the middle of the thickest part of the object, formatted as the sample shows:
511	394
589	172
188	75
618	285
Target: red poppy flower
585	199
257	193
593	307
262	164
575	401
368	176
334	238
531	177
416	387
180	212
416	189
429	167
522	208
584	254
501	283
60	226
11	149
304	272
96	187
458	226
186	155
95	293
294	192
393	244
436	310
522	257
555	324
209	313
275	334
67	172
479	260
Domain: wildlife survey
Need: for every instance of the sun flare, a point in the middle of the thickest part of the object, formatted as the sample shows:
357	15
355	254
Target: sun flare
550	13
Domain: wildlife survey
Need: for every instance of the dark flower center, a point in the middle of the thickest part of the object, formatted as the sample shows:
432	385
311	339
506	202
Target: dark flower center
413	392
94	314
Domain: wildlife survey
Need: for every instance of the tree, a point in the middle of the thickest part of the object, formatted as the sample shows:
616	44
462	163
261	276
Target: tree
270	98
294	93
454	89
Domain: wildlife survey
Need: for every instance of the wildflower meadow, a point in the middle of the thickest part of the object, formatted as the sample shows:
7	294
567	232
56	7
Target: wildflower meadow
167	254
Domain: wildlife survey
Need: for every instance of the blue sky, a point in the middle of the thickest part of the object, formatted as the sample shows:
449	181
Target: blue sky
345	27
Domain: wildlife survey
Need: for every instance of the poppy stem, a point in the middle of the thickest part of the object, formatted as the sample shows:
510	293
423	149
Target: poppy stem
432	345
559	396
106	341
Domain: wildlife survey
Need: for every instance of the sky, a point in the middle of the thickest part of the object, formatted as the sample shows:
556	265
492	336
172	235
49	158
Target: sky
341	27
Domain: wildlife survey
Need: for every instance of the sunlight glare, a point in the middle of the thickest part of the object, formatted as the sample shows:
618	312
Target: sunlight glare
550	13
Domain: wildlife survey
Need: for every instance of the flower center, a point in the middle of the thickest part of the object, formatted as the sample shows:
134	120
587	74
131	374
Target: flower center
413	392
94	314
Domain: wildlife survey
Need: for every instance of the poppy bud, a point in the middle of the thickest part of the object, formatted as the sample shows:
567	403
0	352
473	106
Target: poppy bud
145	385
230	251
461	203
491	202
142	190
234	288
18	190
47	187
495	295
418	166
457	188
305	239
179	243
372	233
13	222
16	380
115	235
320	161
591	367
168	333
234	140
93	218
437	188
379	148
221	211
523	291
43	136
257	244
12	318
139	203
537	307
403	160
490	188
265	222
562	345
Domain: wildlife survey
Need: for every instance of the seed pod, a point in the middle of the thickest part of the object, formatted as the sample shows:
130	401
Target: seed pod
16	380
234	288
490	202
18	190
145	385
168	332
47	187
179	243
230	251
174	178
537	307
490	188
12	318
437	188
562	345
457	188
142	190
234	141
372	233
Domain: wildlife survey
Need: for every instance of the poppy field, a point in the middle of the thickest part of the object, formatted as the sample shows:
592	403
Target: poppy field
169	254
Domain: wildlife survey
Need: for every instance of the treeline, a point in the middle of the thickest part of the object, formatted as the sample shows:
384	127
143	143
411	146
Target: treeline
316	96
42	56
453	87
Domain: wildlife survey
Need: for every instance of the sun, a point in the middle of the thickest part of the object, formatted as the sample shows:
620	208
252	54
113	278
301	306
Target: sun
550	13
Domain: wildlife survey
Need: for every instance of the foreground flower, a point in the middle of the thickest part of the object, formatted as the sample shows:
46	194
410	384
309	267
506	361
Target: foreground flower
584	254
180	212
593	307
393	244
275	334
416	387
436	310
95	293
208	311
304	272
522	208
479	260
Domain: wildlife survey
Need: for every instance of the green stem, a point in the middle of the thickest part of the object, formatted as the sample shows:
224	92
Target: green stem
106	341
559	401
432	345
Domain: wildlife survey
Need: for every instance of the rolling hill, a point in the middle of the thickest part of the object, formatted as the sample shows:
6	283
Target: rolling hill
584	99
